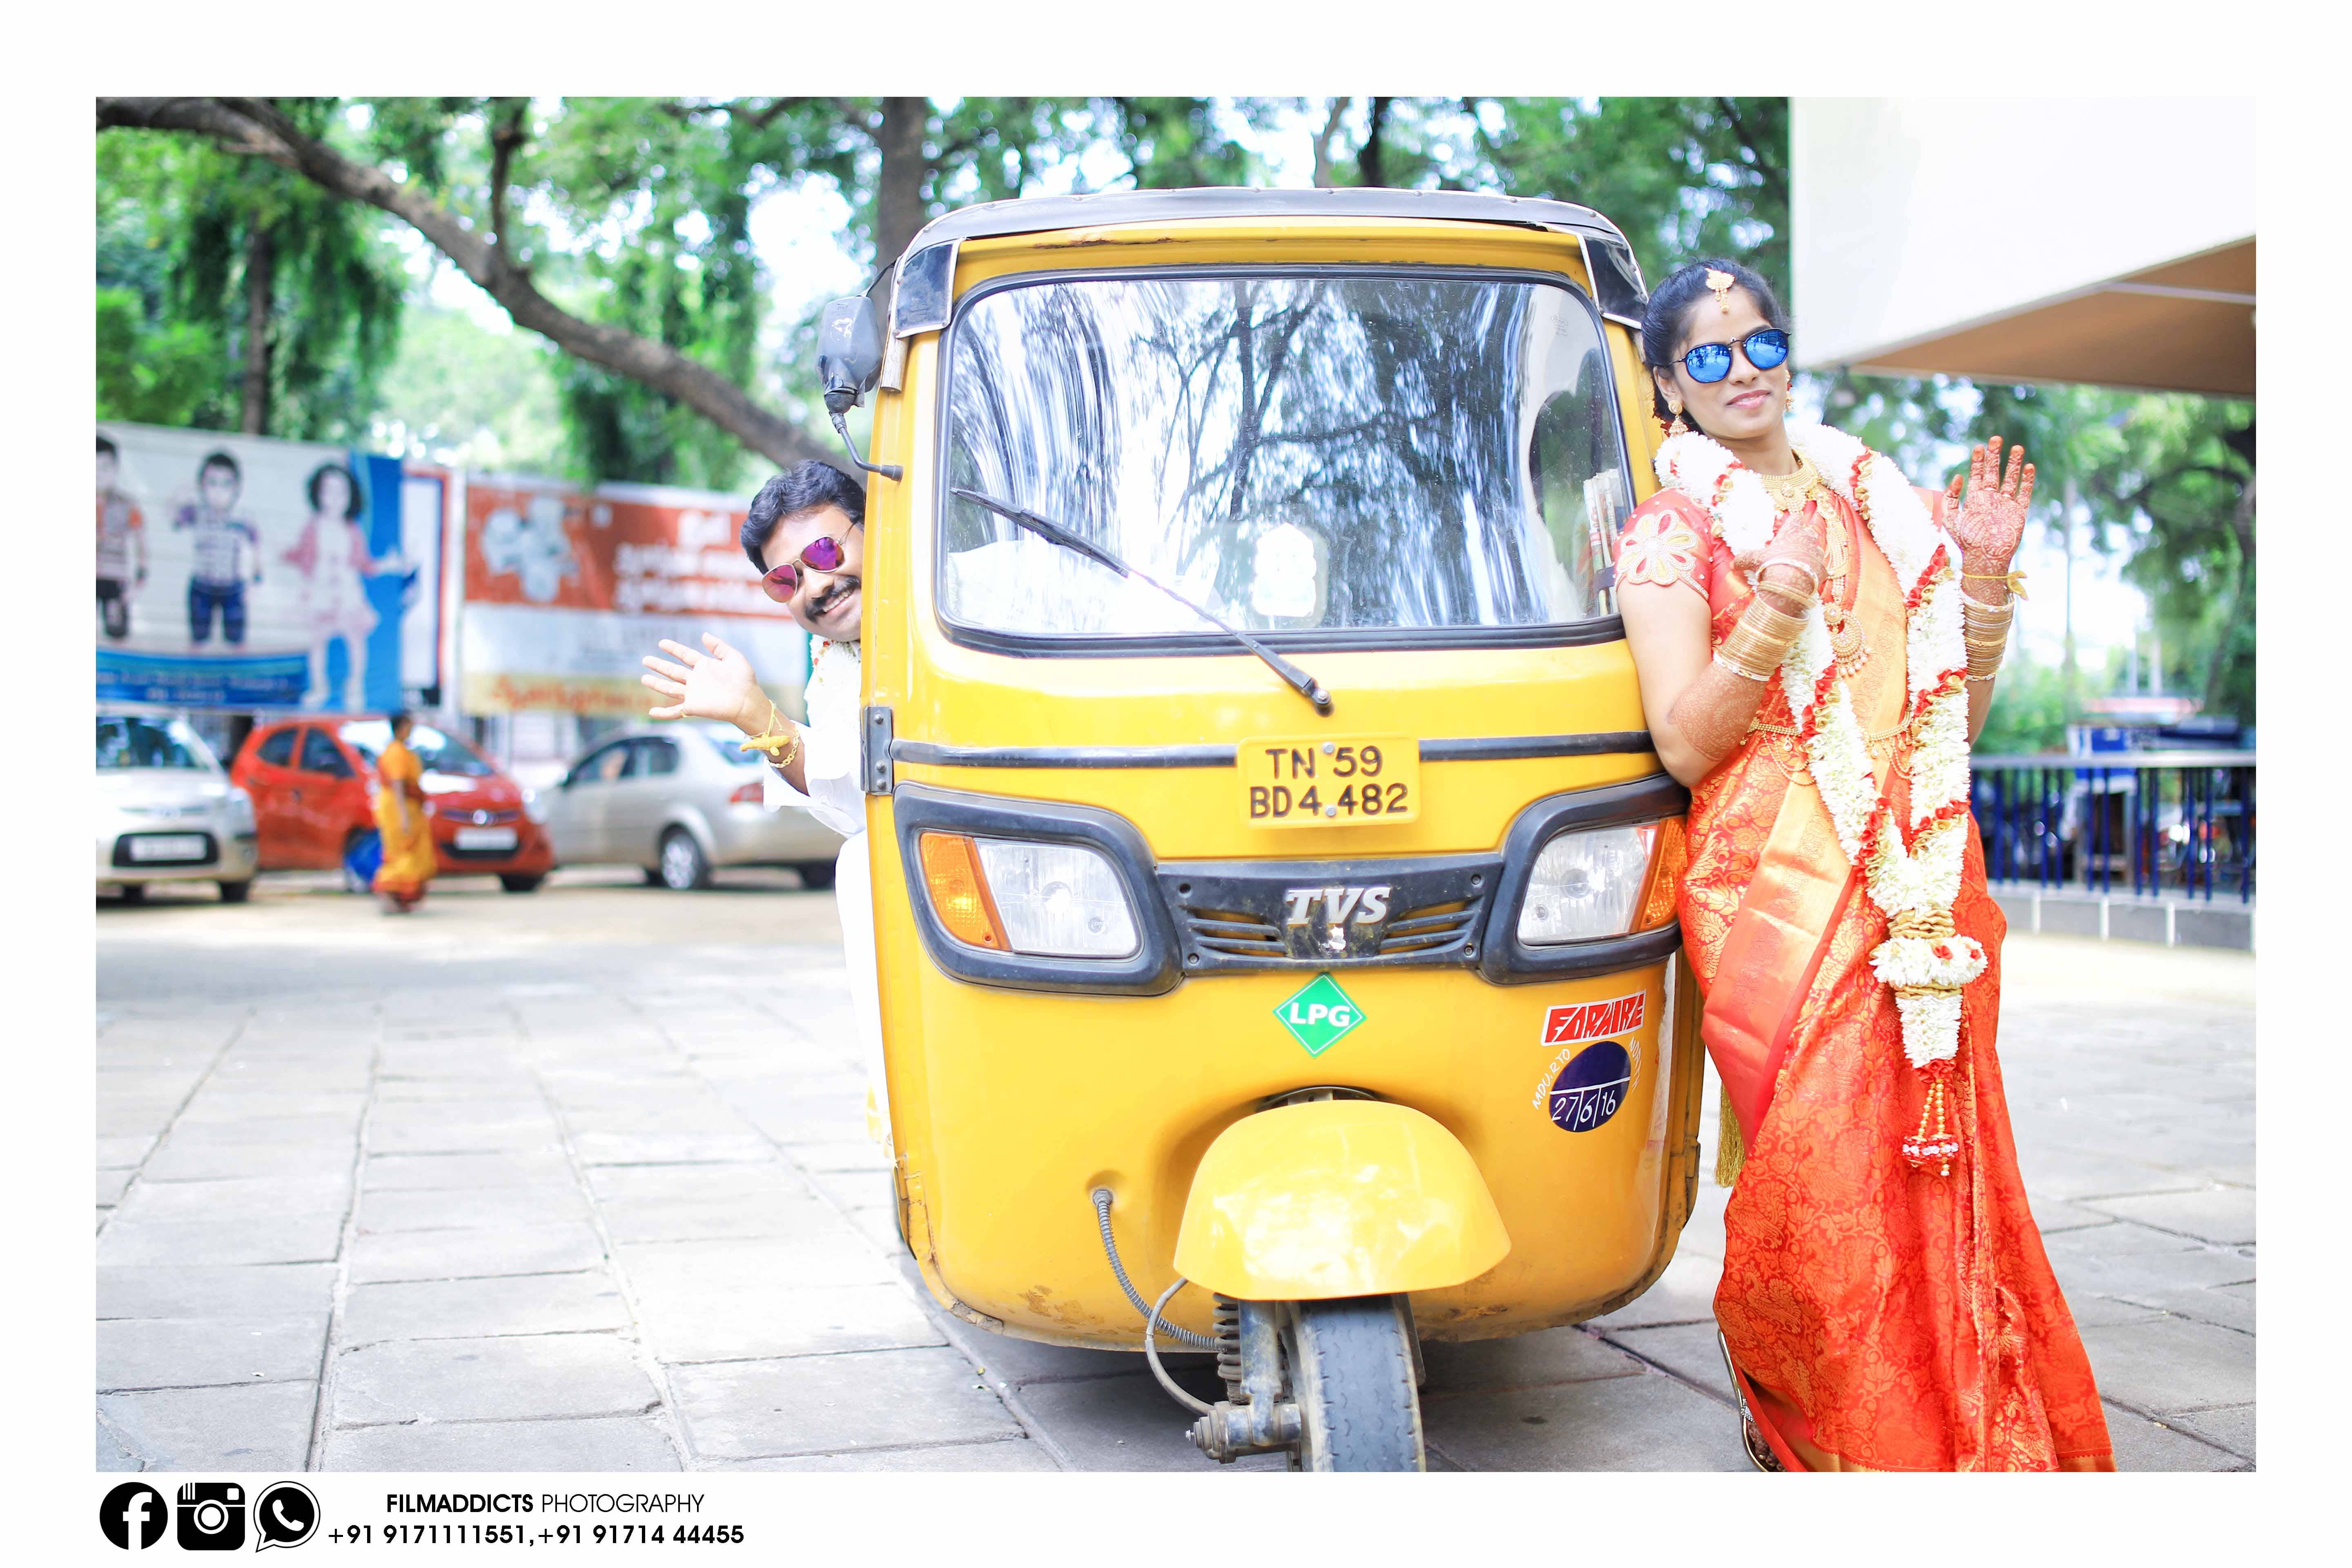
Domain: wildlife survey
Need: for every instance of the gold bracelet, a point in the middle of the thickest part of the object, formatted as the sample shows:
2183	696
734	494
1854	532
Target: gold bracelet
781	736
2015	579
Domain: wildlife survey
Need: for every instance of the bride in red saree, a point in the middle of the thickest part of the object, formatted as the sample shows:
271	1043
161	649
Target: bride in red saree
1814	662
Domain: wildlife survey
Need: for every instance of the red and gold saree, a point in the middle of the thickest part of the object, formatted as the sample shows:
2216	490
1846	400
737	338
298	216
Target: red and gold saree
1878	1317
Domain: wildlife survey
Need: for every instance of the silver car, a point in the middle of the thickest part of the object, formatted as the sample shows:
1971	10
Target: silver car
678	800
166	811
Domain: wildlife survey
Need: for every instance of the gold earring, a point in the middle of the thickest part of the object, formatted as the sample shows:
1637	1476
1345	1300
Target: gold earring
1677	428
1788	398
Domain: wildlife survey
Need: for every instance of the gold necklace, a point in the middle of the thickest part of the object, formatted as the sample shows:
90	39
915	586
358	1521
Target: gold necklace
1789	491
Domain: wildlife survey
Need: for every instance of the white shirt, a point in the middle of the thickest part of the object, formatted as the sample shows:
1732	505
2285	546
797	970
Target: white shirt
830	759
836	798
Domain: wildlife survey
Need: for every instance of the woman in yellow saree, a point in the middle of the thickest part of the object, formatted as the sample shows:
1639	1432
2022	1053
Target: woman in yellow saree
1816	643
401	823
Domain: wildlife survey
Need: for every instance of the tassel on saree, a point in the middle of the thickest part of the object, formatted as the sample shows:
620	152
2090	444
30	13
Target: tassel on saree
1730	1152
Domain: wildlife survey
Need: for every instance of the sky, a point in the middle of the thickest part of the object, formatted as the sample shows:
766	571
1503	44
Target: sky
793	230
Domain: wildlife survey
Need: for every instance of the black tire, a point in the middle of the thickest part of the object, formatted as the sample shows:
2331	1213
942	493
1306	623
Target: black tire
653	876
132	893
236	892
815	875
684	867
1351	1369
521	881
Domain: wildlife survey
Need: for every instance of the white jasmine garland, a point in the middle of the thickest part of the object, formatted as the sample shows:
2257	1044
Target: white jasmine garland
1922	881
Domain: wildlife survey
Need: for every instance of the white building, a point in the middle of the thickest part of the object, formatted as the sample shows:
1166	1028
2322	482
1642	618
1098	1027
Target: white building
2107	240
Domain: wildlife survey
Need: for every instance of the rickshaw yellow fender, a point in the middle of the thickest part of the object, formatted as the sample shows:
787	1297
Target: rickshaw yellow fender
1337	1198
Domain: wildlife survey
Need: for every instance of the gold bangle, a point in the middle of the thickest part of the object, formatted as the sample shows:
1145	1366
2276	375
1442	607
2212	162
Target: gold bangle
1742	672
1970	607
1758	641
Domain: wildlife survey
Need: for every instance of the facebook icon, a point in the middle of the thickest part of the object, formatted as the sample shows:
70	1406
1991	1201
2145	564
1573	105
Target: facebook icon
133	1516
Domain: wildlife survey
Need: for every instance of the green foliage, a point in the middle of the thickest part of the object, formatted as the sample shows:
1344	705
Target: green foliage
2158	477
463	394
1684	177
178	219
157	371
2029	710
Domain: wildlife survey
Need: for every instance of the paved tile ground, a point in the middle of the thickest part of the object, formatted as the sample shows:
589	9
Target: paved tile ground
548	1184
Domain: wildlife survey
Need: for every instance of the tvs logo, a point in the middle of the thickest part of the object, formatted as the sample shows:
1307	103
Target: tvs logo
1583	1021
1336	909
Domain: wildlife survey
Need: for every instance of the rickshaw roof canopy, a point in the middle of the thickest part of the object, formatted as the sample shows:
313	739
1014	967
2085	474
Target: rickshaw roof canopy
1036	214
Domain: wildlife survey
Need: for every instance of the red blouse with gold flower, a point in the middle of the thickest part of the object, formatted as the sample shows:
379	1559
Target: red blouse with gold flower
1659	546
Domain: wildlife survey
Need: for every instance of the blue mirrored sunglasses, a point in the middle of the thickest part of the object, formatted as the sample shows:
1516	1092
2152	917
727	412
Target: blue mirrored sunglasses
1712	361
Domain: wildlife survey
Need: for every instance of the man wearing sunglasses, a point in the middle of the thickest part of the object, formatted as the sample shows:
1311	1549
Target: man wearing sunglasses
806	536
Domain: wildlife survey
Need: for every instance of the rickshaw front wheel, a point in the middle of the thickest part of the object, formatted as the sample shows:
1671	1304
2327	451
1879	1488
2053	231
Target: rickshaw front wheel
1351	1366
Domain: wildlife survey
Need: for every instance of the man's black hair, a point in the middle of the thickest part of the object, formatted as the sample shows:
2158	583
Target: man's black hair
107	447
803	488
1669	312
354	502
219	459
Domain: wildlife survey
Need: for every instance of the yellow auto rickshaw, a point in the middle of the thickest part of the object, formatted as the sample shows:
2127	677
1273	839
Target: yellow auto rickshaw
1273	881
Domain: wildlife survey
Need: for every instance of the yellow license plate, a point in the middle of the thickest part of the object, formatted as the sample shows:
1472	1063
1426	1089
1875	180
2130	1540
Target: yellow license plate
1329	781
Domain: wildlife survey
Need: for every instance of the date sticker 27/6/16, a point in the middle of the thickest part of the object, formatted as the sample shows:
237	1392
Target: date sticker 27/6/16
1582	1090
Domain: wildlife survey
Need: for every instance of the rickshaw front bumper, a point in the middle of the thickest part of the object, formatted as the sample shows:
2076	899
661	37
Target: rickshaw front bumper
1338	1197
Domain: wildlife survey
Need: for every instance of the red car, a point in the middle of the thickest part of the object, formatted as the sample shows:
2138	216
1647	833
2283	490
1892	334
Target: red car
313	786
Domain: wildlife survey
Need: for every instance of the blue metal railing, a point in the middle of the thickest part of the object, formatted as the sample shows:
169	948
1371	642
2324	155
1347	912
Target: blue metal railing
2148	822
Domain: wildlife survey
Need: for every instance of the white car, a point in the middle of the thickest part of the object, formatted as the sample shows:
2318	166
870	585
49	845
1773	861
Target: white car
677	800
167	812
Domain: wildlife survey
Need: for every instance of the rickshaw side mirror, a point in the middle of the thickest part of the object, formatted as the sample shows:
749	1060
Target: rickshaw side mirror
848	353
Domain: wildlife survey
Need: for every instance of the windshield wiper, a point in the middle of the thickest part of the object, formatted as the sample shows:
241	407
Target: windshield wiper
1297	679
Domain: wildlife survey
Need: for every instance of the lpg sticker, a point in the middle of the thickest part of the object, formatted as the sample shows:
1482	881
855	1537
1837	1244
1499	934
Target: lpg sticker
1589	1087
1581	1021
1317	1014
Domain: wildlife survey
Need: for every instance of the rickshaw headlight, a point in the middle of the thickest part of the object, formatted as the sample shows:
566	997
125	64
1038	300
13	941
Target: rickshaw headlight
1057	900
1590	883
1046	901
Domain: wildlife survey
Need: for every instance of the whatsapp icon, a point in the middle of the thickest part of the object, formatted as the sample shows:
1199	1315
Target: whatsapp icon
284	1514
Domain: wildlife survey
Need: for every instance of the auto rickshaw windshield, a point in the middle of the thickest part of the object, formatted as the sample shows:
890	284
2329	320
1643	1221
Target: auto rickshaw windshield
1346	454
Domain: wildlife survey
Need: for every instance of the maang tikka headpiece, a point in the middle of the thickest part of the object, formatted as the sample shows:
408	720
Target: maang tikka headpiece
1721	283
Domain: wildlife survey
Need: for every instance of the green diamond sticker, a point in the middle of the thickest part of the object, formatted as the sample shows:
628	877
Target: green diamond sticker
1317	1015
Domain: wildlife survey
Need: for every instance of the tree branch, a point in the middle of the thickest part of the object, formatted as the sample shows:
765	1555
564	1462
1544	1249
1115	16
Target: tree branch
1776	179
506	139
254	129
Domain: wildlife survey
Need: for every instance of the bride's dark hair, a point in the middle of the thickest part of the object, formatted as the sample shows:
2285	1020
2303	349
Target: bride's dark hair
1667	319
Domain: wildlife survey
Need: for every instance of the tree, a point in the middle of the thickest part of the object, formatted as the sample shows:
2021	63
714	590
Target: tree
1684	177
420	181
201	257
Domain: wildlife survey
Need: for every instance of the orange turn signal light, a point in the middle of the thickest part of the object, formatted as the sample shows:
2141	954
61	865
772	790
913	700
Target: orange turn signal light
959	893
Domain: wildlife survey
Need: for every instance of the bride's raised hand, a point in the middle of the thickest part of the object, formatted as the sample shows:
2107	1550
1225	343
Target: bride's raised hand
715	684
1990	522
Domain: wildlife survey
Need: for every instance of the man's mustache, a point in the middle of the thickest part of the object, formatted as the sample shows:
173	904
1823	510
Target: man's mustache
842	587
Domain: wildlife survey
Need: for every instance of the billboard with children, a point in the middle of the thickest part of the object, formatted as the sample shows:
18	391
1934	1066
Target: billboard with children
565	591
238	572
